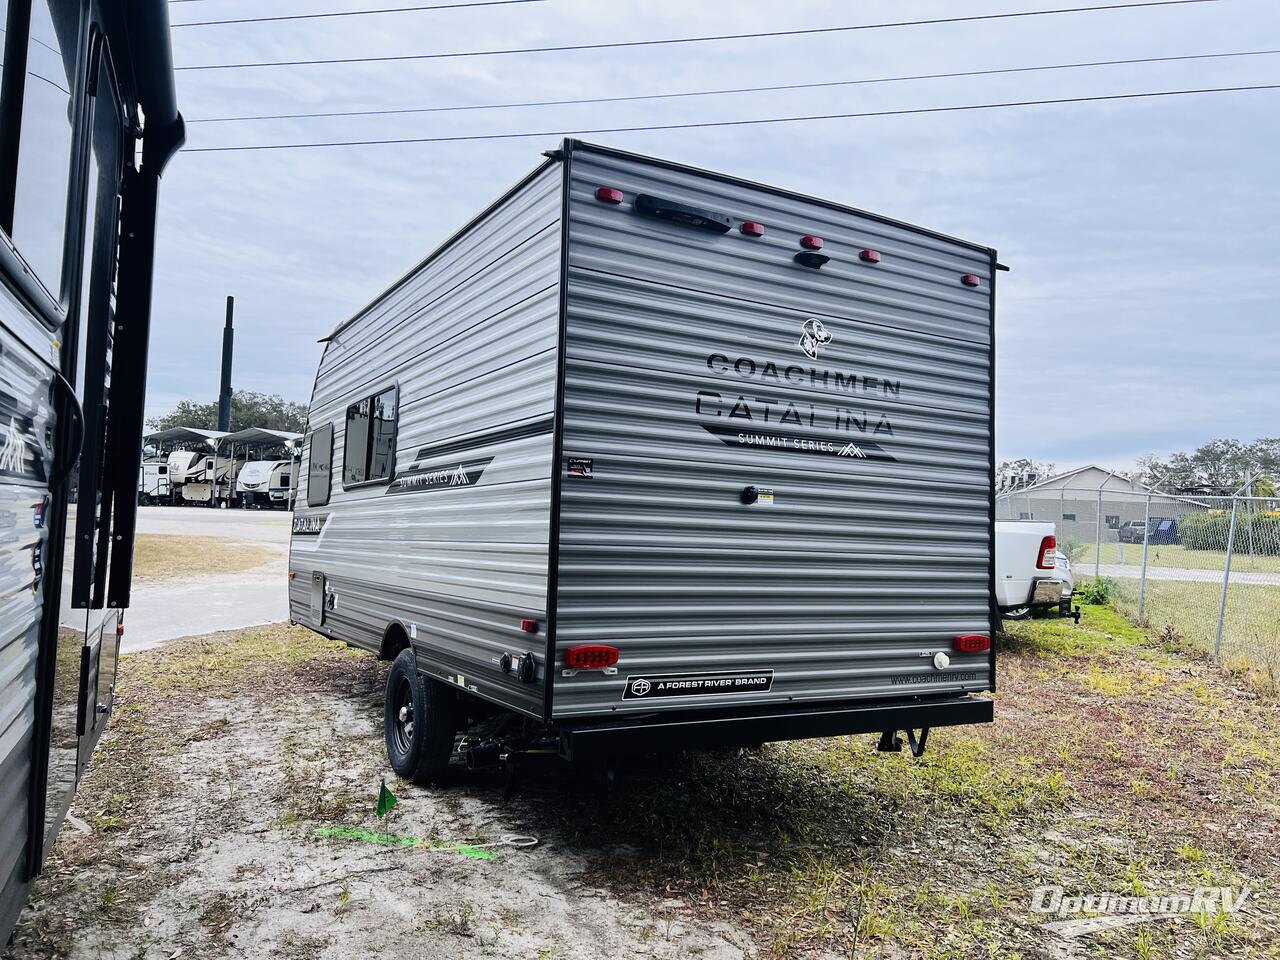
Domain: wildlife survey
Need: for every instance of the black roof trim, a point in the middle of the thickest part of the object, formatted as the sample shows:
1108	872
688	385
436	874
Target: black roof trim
571	144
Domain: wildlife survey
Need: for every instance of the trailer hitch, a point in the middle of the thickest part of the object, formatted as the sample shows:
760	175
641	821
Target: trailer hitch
890	742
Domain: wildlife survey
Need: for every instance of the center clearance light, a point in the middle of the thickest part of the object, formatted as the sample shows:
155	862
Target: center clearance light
751	229
590	656
869	256
811	242
608	194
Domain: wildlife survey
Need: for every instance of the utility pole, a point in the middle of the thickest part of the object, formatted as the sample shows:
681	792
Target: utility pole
224	394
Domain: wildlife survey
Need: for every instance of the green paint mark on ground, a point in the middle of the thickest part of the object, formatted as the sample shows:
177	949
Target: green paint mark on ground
472	851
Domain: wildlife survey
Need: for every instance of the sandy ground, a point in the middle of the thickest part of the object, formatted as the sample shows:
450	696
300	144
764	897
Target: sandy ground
203	811
1118	764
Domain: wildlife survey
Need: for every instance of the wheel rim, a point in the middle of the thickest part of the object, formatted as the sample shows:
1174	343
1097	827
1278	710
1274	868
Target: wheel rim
402	726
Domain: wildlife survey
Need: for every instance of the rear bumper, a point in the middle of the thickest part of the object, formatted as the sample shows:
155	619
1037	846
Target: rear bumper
1046	593
665	732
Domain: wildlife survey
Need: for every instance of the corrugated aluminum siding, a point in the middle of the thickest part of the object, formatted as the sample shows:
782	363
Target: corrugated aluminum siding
24	410
471	339
861	568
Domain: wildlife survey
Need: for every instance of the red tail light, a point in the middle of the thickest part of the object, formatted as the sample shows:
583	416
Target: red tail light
811	243
1048	547
971	643
529	625
590	656
752	229
608	194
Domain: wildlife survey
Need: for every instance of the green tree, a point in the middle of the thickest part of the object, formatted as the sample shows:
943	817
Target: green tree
248	409
1018	472
1221	464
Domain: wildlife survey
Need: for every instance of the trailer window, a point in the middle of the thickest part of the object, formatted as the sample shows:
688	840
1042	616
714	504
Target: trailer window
1068	516
44	141
319	465
369	449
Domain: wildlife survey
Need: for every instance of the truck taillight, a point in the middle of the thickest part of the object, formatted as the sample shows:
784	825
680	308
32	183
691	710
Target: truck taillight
1048	547
971	643
590	656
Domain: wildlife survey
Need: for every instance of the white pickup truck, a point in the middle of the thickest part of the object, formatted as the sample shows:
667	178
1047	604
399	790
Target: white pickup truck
1030	572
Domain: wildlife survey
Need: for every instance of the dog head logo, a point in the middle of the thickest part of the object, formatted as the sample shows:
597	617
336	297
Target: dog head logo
812	336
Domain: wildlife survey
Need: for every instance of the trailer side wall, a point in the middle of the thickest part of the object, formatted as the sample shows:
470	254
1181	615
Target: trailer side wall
452	549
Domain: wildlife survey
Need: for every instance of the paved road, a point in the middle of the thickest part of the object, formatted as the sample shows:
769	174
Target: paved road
1133	571
166	610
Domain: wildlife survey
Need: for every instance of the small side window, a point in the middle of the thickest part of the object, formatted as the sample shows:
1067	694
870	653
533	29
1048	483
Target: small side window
369	450
319	465
1068	516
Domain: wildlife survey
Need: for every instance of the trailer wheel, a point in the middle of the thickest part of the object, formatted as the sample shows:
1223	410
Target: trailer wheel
420	721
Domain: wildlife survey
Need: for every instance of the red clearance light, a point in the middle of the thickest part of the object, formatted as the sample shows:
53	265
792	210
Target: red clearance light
752	229
811	242
869	256
529	625
608	194
590	656
1048	547
969	280
119	628
971	643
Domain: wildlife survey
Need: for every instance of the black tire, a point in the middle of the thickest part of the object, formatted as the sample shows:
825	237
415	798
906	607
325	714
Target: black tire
418	751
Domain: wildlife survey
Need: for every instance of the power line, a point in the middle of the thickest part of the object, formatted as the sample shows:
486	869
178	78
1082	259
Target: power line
733	90
703	39
737	123
354	13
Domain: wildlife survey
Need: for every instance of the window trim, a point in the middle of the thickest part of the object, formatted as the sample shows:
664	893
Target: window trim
310	444
368	453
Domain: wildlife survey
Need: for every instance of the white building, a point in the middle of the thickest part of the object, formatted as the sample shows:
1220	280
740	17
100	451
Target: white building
1077	499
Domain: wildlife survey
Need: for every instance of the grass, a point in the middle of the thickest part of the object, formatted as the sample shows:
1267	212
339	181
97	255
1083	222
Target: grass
1251	628
1119	761
161	556
1172	555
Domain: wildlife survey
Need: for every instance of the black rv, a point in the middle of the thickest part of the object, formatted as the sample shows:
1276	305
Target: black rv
88	119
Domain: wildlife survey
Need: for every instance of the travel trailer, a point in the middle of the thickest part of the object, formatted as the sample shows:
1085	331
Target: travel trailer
211	481
153	482
649	457
79	180
265	483
182	464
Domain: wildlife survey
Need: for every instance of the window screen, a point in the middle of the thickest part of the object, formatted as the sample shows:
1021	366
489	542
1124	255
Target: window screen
355	449
382	462
319	465
369	450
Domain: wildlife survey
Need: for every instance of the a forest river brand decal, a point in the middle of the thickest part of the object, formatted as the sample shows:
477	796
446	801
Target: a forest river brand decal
767	418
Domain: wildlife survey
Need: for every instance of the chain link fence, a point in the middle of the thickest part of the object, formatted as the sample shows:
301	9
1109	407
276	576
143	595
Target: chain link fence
1205	569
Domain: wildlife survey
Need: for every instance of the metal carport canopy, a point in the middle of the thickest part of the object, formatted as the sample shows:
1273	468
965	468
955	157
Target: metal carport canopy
184	434
251	435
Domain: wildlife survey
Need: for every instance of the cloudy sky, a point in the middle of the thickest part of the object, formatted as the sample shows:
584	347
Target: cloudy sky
1140	313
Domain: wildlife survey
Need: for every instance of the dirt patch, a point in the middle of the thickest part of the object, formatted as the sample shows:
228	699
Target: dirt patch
1117	764
227	754
161	556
